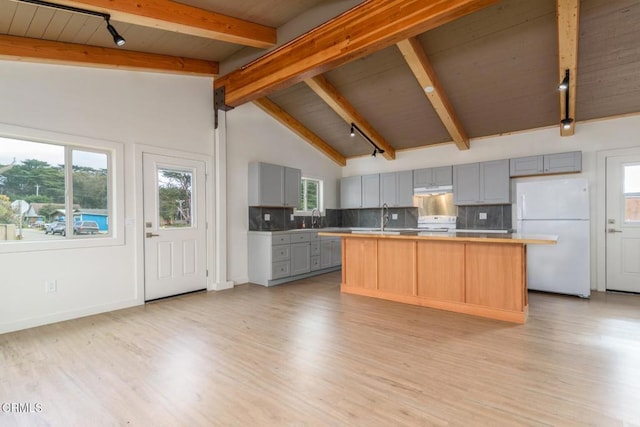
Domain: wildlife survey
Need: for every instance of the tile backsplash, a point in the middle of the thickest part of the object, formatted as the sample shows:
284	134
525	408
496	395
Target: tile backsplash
498	217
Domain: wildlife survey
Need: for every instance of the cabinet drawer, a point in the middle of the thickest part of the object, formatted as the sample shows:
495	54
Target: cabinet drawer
280	253
315	262
280	239
300	237
280	269
315	248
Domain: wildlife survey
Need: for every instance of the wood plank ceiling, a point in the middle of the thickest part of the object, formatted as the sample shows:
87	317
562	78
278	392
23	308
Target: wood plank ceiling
408	73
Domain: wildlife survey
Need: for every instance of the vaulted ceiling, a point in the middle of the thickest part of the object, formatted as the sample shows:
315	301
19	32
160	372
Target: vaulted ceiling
489	67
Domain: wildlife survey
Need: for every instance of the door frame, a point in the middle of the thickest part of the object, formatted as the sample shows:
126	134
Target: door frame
601	214
137	224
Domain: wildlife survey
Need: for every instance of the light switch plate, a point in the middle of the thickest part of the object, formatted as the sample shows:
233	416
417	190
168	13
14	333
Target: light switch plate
483	215
267	217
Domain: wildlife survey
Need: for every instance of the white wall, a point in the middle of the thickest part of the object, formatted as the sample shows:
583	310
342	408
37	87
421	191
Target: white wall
252	135
155	110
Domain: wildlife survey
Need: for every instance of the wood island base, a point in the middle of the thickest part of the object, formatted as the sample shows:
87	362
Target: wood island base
486	278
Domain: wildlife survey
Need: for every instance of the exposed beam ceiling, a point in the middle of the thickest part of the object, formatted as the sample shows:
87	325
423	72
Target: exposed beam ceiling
421	67
181	18
299	129
366	28
568	25
329	94
45	51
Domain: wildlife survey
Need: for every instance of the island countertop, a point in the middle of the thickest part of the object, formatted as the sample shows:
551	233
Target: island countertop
513	238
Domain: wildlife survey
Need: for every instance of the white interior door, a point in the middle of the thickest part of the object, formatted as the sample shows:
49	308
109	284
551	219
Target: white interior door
175	226
623	223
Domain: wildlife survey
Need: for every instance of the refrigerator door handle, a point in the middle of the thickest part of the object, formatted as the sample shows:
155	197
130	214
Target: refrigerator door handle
523	207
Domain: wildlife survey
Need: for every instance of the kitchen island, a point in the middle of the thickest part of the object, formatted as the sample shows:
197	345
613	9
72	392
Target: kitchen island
473	273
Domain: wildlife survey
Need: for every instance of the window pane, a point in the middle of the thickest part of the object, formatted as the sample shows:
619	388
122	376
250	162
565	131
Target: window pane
312	195
175	196
632	179
90	193
632	209
32	189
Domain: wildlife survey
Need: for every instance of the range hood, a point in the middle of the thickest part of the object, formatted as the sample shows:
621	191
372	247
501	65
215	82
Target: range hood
439	189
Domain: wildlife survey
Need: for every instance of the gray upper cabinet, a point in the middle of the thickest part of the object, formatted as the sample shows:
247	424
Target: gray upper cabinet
396	188
351	192
482	183
371	191
273	185
433	177
546	164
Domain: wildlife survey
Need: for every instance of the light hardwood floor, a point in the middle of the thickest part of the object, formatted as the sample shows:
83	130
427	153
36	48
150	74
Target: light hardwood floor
304	354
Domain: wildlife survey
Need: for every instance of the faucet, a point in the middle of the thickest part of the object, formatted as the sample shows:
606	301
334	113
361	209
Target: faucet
384	216
315	221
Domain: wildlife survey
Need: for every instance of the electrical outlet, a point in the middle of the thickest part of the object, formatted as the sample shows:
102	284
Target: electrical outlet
267	217
482	215
394	216
50	286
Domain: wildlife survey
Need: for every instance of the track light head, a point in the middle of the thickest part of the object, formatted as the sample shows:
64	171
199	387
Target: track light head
353	130
117	38
566	123
564	84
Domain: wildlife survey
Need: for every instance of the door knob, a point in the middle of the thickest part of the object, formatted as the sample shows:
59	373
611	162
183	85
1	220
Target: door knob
613	230
149	234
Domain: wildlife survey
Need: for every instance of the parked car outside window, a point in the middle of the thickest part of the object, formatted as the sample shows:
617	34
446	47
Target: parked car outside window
48	228
86	227
59	228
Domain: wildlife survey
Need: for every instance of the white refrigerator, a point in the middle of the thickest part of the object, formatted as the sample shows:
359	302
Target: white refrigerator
560	207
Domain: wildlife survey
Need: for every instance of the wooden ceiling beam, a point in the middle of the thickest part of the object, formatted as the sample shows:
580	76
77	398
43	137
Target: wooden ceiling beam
362	30
568	27
299	129
417	60
338	103
45	51
178	17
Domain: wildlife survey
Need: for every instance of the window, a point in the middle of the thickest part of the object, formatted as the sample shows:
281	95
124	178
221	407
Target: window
632	193
310	194
51	192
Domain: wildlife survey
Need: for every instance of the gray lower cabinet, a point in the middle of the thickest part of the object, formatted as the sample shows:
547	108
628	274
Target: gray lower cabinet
483	183
279	257
330	252
546	164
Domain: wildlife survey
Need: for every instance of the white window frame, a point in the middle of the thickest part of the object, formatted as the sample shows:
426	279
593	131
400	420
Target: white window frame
304	212
115	194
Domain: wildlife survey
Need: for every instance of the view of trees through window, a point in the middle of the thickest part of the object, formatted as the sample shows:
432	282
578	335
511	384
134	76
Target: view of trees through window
174	188
310	194
33	189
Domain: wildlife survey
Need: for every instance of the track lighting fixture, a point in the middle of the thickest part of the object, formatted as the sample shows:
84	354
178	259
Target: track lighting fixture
376	149
564	84
564	87
117	38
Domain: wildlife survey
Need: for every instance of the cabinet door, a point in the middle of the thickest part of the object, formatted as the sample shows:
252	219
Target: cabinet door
531	165
371	191
351	192
563	162
422	177
466	184
389	188
292	182
270	184
325	253
404	193
442	175
336	252
300	258
494	182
